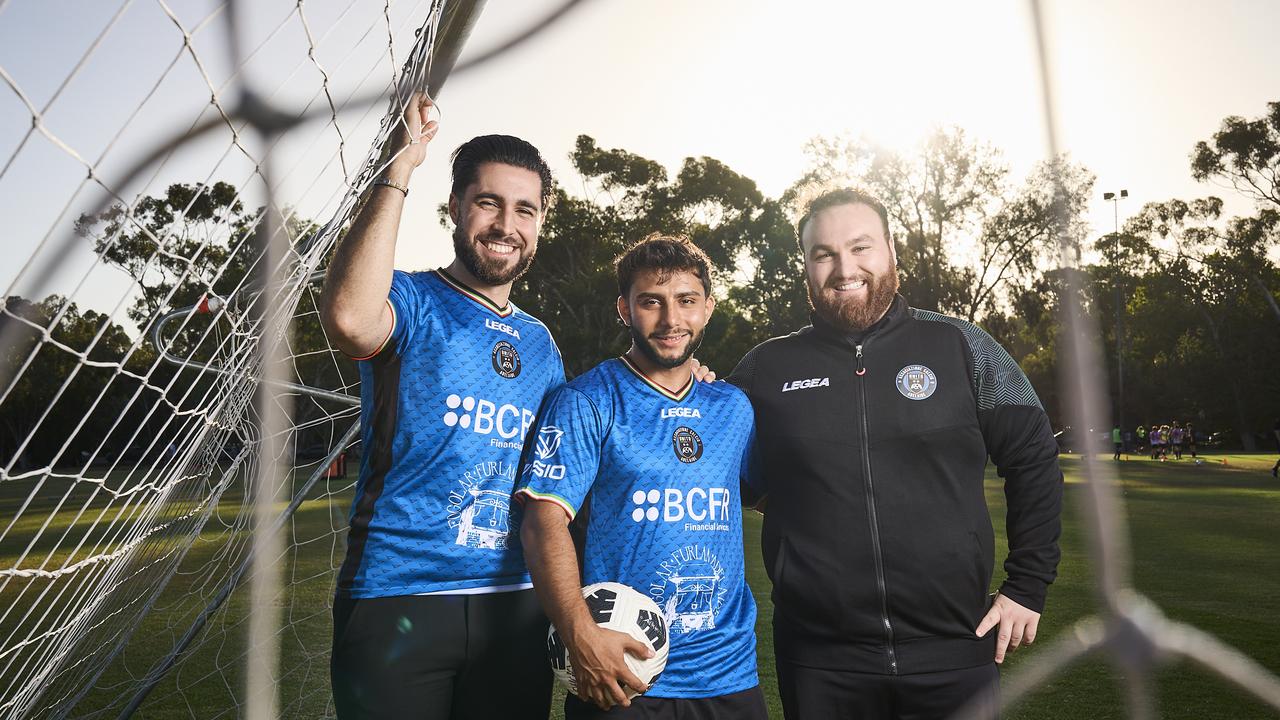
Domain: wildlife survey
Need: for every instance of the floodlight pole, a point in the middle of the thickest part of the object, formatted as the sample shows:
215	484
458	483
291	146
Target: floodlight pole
1115	267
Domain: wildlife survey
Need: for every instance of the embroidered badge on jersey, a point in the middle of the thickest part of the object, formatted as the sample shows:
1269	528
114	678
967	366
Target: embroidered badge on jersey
505	359
687	444
916	382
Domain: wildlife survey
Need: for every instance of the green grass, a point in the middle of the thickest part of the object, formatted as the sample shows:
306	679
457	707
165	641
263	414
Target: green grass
1204	544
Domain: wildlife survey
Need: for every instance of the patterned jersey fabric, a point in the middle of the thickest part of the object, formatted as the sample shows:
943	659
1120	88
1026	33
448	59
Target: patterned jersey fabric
445	406
660	472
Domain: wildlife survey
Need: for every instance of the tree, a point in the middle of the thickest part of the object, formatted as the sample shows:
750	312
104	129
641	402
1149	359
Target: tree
196	240
1244	154
37	414
181	244
572	286
1197	310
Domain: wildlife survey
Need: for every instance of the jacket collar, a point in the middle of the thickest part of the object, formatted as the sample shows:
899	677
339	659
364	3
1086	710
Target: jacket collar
896	315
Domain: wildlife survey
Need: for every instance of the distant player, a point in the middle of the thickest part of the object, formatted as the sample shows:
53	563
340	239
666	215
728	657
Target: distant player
1175	441
1141	434
1117	440
659	459
1189	437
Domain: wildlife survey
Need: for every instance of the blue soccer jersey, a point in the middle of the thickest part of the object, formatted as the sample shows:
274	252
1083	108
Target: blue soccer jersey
445	406
662	471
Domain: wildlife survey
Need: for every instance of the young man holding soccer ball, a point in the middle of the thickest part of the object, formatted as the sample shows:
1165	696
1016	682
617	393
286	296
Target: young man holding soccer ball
660	460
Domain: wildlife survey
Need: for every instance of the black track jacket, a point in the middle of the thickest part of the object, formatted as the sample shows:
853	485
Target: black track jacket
876	533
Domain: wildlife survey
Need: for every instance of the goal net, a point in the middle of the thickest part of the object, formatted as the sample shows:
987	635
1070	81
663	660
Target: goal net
134	329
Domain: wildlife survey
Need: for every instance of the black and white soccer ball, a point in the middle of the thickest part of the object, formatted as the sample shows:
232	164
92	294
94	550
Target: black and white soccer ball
618	607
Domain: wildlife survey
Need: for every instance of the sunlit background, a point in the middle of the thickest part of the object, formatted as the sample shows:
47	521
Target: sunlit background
747	82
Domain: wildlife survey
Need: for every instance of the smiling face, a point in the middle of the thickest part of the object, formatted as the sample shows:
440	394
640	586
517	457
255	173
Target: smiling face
849	265
497	221
668	315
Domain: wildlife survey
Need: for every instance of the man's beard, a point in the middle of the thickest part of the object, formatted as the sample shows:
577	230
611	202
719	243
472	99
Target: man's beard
651	352
491	272
853	315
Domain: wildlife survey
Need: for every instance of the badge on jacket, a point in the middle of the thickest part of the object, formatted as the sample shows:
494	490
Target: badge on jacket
916	382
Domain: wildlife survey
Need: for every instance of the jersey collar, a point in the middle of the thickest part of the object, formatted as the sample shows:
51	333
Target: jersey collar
474	295
676	396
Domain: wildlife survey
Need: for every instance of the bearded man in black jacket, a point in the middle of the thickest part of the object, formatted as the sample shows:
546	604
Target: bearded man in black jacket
874	426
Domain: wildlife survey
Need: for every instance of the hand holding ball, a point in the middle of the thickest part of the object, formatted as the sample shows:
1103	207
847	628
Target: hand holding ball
615	606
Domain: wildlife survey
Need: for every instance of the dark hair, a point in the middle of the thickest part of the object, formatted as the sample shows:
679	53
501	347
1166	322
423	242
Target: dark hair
665	254
835	198
504	149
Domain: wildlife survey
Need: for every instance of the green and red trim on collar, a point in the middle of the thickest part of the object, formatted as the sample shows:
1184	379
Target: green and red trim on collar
677	395
474	295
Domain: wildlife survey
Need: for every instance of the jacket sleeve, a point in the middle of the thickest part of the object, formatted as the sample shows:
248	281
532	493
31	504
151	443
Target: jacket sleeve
1020	443
743	376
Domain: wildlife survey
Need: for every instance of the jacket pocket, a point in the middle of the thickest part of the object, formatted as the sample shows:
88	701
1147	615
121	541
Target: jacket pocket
821	593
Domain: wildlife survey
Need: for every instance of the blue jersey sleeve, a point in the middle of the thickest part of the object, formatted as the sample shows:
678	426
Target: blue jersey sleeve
408	302
562	463
557	371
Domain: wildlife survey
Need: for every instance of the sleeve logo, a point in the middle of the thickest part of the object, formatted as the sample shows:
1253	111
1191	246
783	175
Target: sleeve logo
548	441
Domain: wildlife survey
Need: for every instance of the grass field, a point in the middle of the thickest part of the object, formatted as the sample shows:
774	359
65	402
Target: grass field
1204	538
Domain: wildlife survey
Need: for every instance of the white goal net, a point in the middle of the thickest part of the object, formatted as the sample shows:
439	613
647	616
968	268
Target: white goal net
175	234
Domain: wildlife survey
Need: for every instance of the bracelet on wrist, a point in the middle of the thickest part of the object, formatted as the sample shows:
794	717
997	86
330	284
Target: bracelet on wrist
387	183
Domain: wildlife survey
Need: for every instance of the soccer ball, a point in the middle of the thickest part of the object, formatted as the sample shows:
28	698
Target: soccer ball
618	607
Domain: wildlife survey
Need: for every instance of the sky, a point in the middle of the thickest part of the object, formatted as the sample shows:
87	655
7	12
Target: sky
747	82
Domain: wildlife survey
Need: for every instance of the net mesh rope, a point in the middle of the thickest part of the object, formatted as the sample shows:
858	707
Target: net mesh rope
119	542
119	548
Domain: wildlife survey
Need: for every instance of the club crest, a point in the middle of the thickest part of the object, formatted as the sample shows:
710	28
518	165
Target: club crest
687	444
506	361
916	382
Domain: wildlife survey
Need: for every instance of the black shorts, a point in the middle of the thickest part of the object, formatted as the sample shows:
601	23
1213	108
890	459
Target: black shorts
810	693
437	657
743	705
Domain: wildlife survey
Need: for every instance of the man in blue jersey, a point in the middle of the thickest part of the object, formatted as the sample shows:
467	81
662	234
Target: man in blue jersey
659	459
434	616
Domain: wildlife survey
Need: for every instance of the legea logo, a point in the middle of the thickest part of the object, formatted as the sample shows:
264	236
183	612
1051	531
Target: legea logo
674	505
680	412
806	384
501	327
486	417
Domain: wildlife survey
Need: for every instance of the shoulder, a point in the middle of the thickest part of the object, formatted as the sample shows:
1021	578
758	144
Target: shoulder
997	378
974	336
522	319
595	384
724	392
526	324
782	343
745	371
417	279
